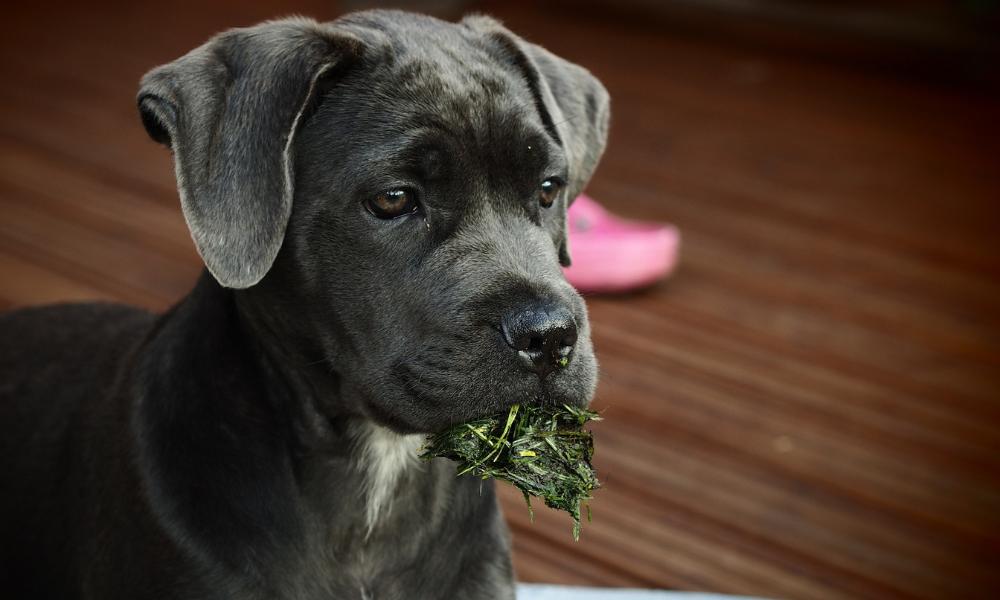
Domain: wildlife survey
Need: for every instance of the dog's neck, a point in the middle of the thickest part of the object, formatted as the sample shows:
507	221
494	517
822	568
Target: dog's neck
380	455
294	469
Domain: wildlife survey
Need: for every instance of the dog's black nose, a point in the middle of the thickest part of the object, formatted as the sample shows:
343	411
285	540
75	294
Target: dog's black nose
543	336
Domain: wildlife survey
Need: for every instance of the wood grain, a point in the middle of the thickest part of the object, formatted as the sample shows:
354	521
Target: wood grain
810	408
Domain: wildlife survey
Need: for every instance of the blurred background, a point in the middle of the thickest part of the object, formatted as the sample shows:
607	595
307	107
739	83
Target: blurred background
808	408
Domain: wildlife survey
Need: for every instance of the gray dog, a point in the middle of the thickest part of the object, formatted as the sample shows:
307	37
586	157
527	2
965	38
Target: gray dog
380	202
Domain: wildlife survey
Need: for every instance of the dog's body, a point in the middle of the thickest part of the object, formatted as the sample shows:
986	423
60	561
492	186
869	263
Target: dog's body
259	440
79	515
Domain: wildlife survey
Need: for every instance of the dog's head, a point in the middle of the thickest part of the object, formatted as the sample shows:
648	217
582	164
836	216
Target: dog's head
389	193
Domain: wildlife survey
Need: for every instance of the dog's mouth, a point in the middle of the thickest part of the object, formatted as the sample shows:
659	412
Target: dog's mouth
446	396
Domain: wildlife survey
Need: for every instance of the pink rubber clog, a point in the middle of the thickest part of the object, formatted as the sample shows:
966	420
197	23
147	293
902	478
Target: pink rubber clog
611	254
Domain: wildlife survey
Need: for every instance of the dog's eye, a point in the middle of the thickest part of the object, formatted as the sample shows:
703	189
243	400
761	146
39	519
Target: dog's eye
392	203
549	191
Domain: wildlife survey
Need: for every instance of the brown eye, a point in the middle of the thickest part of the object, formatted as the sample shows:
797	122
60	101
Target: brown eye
549	191
392	203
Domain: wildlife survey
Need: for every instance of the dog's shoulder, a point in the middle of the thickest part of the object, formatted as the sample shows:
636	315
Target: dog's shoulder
58	352
57	366
65	347
54	357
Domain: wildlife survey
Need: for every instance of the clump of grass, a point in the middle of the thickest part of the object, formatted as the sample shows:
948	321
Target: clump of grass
542	450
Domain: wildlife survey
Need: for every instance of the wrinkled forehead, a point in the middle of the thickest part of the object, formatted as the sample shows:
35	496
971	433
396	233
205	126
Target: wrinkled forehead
455	103
464	85
441	90
438	61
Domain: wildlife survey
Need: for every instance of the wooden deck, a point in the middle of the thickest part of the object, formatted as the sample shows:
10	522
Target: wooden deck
810	408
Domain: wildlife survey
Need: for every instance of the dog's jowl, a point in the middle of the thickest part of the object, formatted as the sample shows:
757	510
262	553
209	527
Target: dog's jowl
380	203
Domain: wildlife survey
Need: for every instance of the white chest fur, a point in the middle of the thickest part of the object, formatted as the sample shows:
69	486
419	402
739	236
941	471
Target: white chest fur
385	457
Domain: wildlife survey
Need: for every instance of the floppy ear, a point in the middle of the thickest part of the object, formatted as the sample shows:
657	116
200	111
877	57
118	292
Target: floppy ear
573	104
229	111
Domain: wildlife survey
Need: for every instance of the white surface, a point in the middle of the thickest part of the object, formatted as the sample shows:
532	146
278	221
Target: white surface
531	591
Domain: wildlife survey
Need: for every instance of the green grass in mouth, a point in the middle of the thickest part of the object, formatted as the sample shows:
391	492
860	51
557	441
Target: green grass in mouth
544	451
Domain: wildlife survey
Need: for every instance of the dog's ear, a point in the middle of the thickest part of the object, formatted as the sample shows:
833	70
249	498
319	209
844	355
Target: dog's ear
229	111
573	104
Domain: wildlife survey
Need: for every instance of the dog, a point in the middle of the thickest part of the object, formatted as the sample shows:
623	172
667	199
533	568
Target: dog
380	203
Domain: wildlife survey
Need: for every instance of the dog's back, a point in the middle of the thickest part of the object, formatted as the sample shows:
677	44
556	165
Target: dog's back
57	364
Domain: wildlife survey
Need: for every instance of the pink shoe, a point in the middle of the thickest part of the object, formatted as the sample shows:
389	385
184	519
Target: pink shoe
611	254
